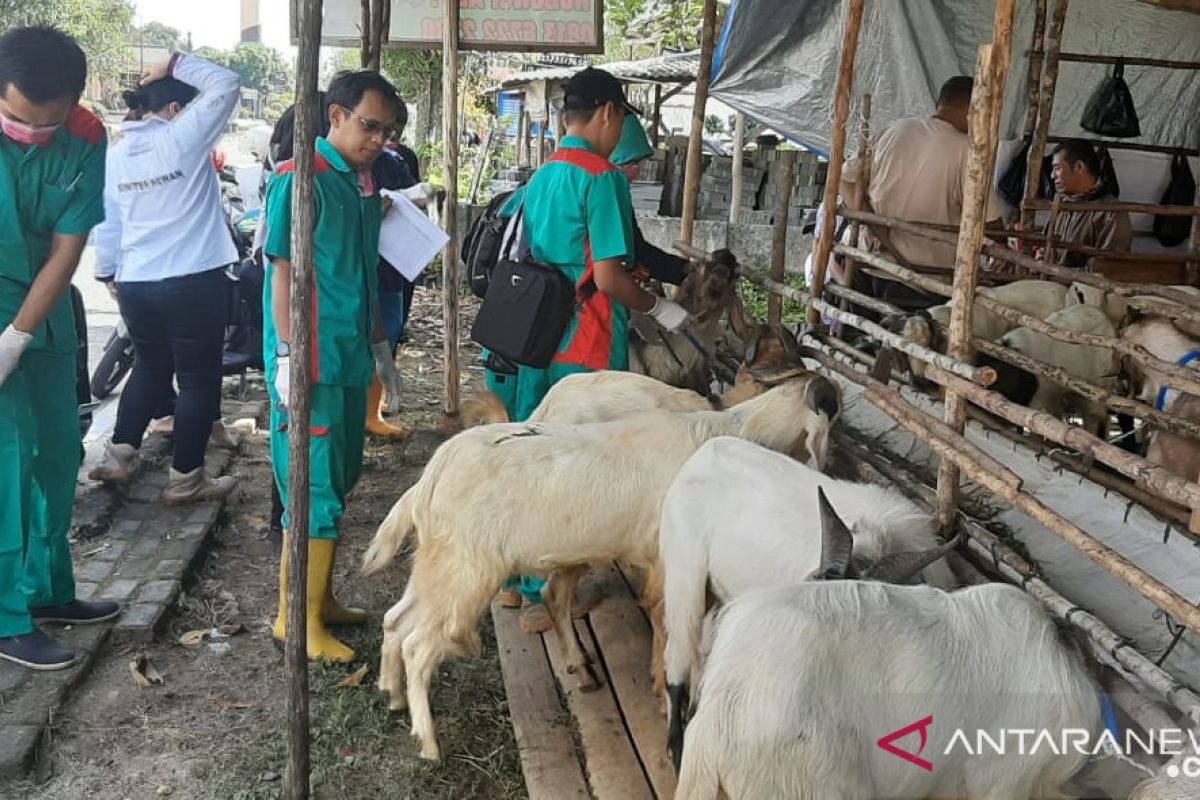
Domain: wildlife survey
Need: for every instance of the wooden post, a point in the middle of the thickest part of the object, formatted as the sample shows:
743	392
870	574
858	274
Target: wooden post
787	164
1033	80
695	153
864	189
837	153
481	162
739	146
450	217
1194	247
308	66
1037	149
543	145
986	103
657	116
523	137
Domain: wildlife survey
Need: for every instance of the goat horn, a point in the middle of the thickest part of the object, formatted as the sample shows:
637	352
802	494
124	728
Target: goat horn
902	567
837	543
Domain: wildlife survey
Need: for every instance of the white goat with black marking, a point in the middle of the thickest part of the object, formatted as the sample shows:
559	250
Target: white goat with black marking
740	517
802	686
533	499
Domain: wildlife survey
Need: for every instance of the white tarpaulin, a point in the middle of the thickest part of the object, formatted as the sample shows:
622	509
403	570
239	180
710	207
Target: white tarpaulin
778	62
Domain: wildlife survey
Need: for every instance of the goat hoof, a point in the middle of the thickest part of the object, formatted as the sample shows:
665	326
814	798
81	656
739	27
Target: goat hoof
589	681
431	752
397	703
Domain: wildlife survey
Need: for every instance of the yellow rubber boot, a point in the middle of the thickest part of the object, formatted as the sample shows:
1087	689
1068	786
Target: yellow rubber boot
322	646
376	425
334	613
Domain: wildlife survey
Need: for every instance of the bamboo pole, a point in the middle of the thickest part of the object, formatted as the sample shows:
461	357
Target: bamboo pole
523	137
1156	478
1119	145
851	297
984	376
1084	467
739	147
1132	208
1033	80
301	323
450	218
691	177
1113	401
1063	274
657	119
864	189
837	153
1037	148
1180	377
787	164
1005	484
1132	61
986	101
481	161
1015	568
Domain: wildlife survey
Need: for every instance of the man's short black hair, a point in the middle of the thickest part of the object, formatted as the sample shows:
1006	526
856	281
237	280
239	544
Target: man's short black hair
956	91
1080	150
347	90
401	115
43	63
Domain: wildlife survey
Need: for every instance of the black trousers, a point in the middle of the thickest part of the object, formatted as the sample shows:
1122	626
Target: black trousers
178	330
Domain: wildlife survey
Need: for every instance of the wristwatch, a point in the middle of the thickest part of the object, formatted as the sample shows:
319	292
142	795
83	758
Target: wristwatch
283	350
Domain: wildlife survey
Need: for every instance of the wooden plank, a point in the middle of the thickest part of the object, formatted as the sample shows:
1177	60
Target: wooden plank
624	637
612	765
542	726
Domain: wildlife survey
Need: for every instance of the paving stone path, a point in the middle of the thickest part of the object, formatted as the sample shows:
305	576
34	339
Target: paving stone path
130	547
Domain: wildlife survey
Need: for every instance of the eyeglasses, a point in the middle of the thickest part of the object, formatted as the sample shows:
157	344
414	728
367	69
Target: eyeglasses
373	127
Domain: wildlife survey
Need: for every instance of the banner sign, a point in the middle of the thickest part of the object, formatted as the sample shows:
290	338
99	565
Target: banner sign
551	26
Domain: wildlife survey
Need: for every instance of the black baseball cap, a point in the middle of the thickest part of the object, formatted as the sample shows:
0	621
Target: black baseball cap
591	88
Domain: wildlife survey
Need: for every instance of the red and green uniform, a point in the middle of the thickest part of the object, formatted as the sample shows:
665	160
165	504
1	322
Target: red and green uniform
57	188
577	211
345	261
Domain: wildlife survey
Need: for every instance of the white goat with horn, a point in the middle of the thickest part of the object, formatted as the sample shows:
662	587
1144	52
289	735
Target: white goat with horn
819	690
740	517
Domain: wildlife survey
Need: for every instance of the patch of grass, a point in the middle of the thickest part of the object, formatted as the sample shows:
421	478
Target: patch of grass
755	299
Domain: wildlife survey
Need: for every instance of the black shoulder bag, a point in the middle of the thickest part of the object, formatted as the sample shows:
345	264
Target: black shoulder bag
527	308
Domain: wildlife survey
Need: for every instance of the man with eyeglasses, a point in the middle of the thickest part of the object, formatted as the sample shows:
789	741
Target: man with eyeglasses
349	345
51	195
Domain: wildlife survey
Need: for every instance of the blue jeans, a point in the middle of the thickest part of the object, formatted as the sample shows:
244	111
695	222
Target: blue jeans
395	306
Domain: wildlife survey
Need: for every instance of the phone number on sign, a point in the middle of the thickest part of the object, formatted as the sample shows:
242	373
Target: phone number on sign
504	30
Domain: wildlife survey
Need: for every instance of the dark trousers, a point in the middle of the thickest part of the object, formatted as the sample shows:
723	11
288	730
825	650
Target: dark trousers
178	329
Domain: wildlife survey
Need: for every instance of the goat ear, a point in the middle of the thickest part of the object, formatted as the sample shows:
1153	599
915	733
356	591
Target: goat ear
837	543
752	347
787	339
903	567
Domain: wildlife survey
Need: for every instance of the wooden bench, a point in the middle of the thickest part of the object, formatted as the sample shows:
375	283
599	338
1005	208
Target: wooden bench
610	743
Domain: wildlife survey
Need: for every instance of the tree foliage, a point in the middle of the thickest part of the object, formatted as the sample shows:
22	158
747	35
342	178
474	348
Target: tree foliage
158	34
645	28
260	67
100	26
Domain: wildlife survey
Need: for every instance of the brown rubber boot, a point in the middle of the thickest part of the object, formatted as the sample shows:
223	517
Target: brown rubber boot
195	487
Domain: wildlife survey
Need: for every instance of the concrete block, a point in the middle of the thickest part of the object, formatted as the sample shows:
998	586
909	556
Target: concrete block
160	592
112	552
94	571
120	590
85	591
169	569
146	546
124	528
139	621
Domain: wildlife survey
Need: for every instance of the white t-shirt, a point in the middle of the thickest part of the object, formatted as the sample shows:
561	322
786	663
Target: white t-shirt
918	167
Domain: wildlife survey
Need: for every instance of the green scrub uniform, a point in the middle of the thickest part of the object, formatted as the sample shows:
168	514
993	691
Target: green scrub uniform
346	258
52	189
578	210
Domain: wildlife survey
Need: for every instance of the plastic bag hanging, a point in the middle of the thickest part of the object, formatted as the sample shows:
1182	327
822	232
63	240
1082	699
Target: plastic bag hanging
1012	183
1110	111
1108	173
1181	191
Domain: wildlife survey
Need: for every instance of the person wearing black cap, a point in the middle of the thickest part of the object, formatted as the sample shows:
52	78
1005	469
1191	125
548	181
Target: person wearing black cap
578	217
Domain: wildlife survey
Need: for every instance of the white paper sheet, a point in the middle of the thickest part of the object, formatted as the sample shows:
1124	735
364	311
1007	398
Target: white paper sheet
408	240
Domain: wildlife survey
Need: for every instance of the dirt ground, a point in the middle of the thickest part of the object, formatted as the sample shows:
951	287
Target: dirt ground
215	728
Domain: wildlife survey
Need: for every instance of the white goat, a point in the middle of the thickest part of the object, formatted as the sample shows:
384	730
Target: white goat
1093	364
800	680
740	517
531	499
1116	307
1177	452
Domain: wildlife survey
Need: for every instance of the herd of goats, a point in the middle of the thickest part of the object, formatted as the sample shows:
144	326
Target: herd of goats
797	617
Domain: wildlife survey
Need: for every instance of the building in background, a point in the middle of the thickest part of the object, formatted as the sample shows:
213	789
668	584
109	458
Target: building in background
251	21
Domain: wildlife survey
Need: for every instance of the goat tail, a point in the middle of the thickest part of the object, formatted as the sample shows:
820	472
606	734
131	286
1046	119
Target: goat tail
391	534
698	776
485	408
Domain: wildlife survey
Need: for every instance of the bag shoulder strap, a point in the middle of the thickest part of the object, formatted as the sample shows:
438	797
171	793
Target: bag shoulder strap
592	163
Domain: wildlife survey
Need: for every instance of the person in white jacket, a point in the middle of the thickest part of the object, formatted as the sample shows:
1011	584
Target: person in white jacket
166	242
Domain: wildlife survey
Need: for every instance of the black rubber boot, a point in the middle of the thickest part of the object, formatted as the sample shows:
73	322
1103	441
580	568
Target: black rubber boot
36	651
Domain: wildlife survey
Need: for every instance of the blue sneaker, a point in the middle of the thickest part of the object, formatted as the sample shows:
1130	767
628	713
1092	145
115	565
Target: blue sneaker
76	612
36	651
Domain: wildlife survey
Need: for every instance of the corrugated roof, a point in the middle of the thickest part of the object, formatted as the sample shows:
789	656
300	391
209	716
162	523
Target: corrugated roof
674	68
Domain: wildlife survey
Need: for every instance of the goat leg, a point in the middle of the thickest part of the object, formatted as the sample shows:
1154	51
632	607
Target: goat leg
558	596
422	656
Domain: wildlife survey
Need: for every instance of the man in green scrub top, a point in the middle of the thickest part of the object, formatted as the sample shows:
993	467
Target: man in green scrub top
51	196
579	218
363	108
